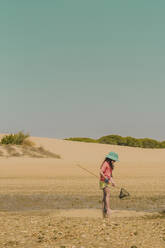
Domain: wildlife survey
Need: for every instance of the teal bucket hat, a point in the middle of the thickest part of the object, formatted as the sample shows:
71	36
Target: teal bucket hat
113	155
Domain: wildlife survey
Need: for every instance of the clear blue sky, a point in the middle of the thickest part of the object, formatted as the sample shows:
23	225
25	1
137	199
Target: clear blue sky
83	68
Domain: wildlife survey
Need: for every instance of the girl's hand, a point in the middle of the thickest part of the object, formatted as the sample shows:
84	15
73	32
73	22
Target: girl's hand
113	184
106	180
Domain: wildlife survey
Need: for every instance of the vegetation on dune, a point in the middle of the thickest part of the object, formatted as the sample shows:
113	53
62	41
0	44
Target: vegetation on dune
15	139
26	151
18	145
123	141
89	140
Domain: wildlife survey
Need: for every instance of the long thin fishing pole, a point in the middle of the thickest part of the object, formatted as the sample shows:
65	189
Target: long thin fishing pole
91	173
121	195
87	170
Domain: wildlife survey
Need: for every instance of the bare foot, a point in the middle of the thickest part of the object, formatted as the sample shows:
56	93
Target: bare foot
109	212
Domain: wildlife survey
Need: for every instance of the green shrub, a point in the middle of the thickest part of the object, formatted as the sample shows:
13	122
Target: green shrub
150	143
110	139
89	140
130	141
124	141
14	139
162	144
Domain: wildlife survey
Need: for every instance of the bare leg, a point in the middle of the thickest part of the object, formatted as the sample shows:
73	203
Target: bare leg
104	204
107	198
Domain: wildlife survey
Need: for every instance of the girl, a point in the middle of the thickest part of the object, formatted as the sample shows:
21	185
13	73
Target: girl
105	180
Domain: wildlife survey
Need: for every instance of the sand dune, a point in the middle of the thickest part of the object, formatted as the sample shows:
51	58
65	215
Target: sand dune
139	161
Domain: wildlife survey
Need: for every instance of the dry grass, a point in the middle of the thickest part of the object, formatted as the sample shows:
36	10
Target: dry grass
26	150
1	153
28	142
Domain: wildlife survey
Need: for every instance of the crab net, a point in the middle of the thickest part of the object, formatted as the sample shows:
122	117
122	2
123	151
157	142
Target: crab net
123	193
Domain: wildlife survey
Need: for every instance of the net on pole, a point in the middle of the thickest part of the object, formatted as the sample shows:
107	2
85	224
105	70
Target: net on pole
123	193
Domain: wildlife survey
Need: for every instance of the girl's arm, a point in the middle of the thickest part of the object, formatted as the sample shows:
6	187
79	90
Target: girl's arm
102	169
102	174
112	182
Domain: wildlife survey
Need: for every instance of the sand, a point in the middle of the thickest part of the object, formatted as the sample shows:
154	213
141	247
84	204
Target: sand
49	202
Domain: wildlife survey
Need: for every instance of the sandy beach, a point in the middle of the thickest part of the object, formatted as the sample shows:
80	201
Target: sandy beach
50	202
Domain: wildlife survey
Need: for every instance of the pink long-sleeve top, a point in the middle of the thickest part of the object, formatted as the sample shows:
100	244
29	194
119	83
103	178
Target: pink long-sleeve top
107	171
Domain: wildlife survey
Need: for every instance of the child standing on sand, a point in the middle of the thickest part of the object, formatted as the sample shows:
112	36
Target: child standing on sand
106	180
